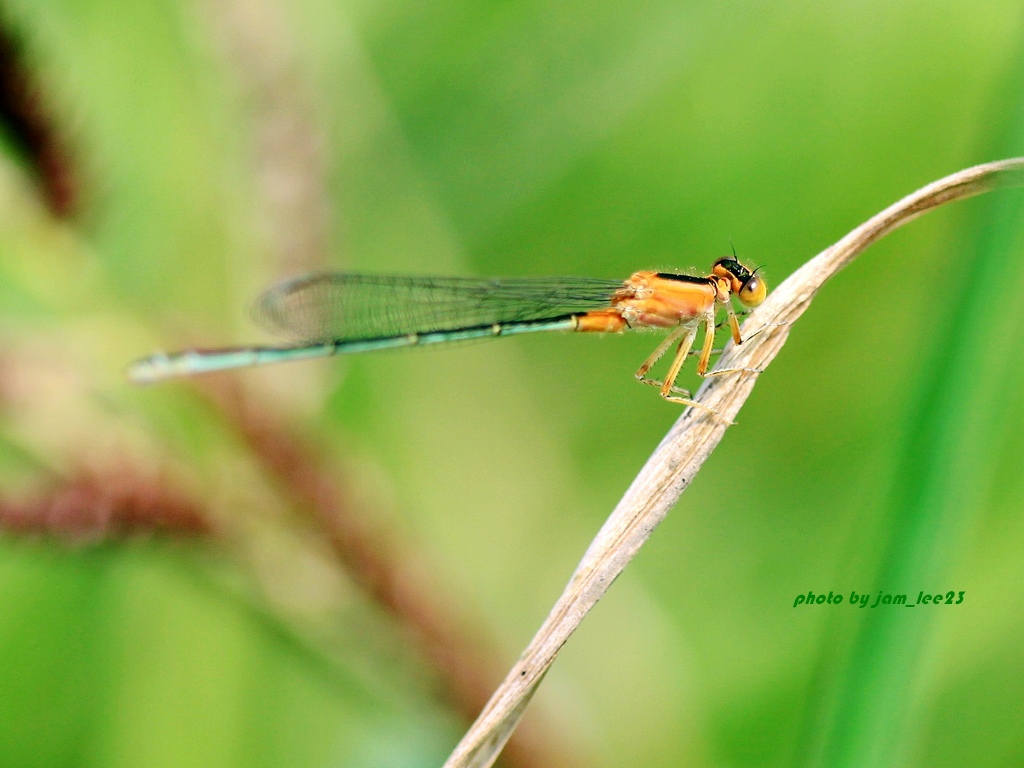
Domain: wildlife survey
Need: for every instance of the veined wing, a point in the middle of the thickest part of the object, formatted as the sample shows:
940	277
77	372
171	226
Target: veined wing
351	306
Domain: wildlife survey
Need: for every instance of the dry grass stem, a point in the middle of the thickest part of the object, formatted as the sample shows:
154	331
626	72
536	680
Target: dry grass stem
688	445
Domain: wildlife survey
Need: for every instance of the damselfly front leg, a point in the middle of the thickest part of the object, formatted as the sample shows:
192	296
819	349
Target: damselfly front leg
763	328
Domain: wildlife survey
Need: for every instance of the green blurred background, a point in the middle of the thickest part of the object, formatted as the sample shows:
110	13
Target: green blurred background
221	146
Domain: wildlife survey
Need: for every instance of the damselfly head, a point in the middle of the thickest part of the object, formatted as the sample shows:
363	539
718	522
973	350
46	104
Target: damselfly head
749	287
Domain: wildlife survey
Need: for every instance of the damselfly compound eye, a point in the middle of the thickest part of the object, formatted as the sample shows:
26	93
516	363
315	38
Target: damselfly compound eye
753	292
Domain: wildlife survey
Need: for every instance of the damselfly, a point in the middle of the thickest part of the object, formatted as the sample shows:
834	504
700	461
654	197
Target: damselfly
343	313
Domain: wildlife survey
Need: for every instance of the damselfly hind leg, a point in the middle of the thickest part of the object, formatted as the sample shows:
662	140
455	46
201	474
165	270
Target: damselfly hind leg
689	333
702	364
667	388
643	379
656	355
685	335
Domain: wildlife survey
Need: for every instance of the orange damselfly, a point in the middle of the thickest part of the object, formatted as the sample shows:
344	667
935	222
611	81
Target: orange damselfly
344	313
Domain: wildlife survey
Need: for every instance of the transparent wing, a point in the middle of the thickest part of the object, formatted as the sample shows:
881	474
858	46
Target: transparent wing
344	306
